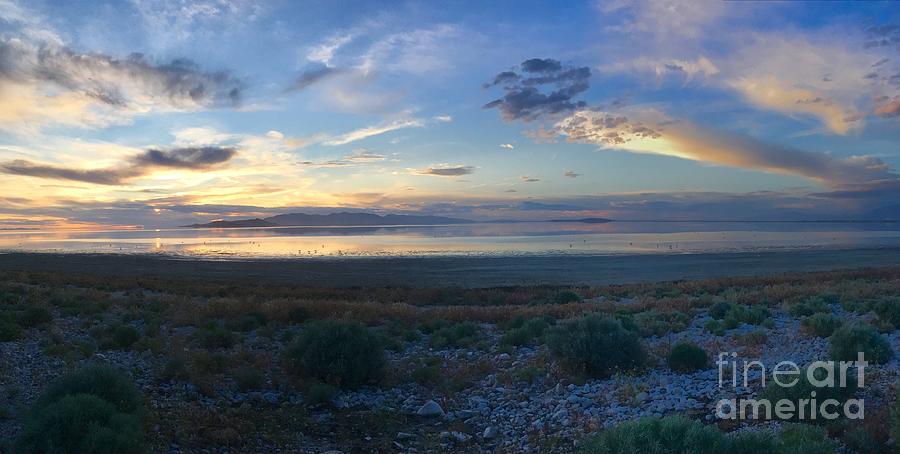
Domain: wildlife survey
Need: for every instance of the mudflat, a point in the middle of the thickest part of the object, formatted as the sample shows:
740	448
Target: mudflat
467	272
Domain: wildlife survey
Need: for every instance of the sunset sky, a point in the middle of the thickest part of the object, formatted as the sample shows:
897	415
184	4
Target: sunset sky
163	112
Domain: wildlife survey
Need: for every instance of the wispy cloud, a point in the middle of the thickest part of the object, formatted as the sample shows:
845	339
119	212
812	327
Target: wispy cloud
446	171
370	131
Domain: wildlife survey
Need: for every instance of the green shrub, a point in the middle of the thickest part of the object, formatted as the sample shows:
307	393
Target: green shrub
96	409
320	393
9	331
847	341
175	369
895	418
596	345
821	324
248	378
525	333
814	305
751	442
81	423
719	309
342	353
657	323
715	327
804	439
247	322
888	311
214	335
740	313
116	337
803	389
298	314
458	335
566	296
687	357
752	339
35	316
104	382
861	441
673	434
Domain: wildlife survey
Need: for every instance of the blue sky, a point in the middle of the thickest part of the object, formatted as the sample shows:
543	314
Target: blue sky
163	112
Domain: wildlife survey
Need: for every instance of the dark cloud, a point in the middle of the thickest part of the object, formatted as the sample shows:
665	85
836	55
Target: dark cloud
312	76
571	174
142	164
186	158
447	171
529	179
118	81
882	36
889	108
524	99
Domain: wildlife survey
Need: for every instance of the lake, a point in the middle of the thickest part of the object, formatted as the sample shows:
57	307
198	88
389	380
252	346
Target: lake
489	239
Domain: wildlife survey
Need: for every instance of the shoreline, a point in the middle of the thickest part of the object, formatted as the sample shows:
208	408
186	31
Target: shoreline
456	271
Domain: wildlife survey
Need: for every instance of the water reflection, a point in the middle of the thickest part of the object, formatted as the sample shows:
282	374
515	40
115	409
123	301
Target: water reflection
496	238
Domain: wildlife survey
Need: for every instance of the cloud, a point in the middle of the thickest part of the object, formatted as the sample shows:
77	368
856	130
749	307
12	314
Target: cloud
312	76
890	108
361	156
523	99
529	179
658	134
370	131
508	146
139	165
571	174
447	171
50	83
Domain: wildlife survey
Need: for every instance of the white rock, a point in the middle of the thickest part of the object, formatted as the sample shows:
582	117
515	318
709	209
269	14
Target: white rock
490	432
430	408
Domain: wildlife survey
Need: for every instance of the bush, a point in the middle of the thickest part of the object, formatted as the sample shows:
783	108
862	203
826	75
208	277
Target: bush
214	335
458	335
719	309
895	419
673	434
814	305
752	339
804	439
803	389
888	311
847	341
342	353
248	322
102	381
116	337
248	378
34	316
687	357
566	296
81	423
320	394
95	409
656	323
739	313
525	332
821	324
298	314
714	327
9	331
680	435
596	345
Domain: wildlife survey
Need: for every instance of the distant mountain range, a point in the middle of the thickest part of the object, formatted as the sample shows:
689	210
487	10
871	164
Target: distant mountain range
333	219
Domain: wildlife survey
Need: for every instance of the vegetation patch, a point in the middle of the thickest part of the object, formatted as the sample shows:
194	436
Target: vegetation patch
596	345
340	353
846	342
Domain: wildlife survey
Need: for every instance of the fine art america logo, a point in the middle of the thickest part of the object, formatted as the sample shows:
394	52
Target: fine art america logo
819	379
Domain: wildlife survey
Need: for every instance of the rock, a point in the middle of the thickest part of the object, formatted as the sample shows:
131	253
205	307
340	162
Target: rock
458	437
490	432
503	356
430	408
405	436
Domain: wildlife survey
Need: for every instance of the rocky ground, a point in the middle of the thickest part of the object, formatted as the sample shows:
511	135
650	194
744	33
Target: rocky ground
486	397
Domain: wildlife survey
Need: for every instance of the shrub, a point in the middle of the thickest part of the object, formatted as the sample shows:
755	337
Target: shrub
687	357
596	345
320	393
888	311
458	335
821	324
342	353
116	337
673	434
81	423
102	381
526	332
847	341
248	322
248	378
656	323
895	419
752	339
9	331
751	442
803	389
214	335
175	369
814	305
566	296
740	313
34	316
298	314
714	327
96	409
804	439
719	309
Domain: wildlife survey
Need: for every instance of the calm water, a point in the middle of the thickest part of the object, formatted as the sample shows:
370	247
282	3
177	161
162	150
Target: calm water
471	239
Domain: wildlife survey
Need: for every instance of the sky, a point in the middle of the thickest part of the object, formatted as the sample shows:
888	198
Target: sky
159	113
